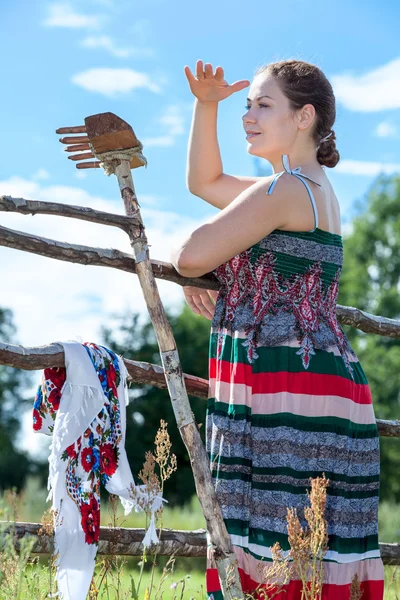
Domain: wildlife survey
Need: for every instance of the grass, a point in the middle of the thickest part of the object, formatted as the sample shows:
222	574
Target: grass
162	578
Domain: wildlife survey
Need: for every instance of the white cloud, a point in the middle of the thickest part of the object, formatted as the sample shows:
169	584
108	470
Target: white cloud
56	300
106	43
162	140
61	14
41	174
172	120
111	82
80	174
369	169
378	89
385	130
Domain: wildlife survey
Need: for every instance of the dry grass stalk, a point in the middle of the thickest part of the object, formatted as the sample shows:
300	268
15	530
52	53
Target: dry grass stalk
304	560
110	568
355	590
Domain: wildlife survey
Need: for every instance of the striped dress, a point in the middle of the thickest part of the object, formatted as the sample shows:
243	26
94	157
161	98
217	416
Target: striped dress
289	400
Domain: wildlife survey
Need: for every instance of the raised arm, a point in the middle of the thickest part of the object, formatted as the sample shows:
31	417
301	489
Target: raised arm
204	175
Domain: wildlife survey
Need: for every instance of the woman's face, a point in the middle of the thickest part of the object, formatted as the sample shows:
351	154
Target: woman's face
270	117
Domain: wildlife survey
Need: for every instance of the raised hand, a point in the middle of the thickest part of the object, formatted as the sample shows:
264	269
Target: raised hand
208	86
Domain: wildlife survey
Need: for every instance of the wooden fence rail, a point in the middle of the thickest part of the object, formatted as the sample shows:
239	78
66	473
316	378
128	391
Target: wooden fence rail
110	257
128	542
140	372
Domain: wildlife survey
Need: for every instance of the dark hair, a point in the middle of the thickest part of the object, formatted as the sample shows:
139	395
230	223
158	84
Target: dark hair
304	83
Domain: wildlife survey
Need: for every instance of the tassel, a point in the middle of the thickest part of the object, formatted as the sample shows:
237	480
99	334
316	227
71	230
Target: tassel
128	505
151	534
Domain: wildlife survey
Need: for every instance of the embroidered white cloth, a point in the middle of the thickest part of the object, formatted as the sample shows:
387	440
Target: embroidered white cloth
83	407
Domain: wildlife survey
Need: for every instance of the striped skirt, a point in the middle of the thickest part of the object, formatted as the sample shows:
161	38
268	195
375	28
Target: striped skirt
270	426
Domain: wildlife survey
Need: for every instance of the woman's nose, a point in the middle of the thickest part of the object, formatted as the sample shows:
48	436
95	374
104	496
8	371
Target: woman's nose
247	118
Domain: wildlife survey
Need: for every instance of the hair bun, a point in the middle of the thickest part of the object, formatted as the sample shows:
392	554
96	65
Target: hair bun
327	154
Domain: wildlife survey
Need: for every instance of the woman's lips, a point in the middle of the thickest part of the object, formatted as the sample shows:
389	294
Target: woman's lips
249	136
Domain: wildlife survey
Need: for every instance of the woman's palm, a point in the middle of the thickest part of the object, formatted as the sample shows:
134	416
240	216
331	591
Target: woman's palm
208	86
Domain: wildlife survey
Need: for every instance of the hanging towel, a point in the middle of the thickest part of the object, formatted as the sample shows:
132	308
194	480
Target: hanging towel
83	408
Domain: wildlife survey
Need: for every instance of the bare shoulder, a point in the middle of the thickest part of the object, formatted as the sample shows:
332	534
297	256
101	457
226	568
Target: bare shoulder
300	213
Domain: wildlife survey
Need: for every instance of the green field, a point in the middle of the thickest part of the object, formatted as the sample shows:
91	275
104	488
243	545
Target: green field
187	580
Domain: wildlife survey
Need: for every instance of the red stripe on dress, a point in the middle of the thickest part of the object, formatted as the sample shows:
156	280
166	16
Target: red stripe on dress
297	383
372	590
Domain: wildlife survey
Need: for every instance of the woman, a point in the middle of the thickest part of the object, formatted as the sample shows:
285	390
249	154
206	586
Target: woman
288	398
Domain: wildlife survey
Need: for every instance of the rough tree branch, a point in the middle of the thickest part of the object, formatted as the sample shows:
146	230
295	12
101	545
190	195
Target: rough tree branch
128	542
87	255
140	372
36	207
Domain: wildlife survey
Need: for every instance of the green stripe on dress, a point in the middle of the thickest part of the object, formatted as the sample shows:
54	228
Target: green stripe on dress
273	357
267	538
318	424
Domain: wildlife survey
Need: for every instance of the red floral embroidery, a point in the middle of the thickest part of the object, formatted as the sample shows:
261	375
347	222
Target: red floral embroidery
90	521
111	379
108	459
55	378
57	375
88	453
70	450
258	283
88	459
37	420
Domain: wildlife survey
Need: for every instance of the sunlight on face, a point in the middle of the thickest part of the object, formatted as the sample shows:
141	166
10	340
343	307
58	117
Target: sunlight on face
270	117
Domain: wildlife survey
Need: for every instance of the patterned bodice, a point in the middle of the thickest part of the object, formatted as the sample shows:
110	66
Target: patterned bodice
284	287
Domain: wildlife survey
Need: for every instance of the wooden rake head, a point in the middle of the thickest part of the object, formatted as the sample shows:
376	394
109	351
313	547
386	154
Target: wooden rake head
104	132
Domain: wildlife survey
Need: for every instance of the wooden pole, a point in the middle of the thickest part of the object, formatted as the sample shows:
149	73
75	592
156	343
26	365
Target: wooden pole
114	143
188	428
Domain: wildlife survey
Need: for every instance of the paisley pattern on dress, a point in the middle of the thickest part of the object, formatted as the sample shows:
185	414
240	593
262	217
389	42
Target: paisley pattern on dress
253	289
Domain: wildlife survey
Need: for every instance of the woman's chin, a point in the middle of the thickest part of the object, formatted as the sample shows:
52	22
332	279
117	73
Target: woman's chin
252	150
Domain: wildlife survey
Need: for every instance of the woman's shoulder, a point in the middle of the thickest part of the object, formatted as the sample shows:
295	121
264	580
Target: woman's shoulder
302	200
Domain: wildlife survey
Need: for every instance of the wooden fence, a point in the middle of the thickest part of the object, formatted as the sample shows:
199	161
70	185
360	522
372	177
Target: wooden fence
120	155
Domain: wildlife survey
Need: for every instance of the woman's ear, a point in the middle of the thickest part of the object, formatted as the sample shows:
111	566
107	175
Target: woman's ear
306	116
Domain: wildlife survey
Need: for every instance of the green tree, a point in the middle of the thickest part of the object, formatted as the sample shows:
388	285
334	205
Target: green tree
370	281
148	404
14	464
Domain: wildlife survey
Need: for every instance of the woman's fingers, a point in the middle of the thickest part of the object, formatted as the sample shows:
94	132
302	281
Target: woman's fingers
209	74
219	73
240	85
205	305
200	301
189	74
192	305
214	294
199	70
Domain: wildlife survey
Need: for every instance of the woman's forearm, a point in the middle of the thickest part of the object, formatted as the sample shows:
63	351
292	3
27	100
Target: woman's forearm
204	162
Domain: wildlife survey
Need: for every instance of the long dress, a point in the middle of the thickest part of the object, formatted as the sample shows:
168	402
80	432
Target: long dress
289	400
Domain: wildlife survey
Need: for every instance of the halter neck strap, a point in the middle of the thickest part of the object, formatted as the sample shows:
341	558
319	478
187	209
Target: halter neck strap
297	173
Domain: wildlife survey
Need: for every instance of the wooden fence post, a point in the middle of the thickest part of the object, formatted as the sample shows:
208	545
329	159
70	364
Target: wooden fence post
114	143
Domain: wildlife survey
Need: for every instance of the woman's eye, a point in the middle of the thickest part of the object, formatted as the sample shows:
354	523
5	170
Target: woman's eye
264	105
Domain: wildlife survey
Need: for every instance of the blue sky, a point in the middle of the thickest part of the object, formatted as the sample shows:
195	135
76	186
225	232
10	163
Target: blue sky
62	61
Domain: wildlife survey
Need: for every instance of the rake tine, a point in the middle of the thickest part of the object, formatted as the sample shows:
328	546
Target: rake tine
77	148
81	156
79	139
76	129
88	165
